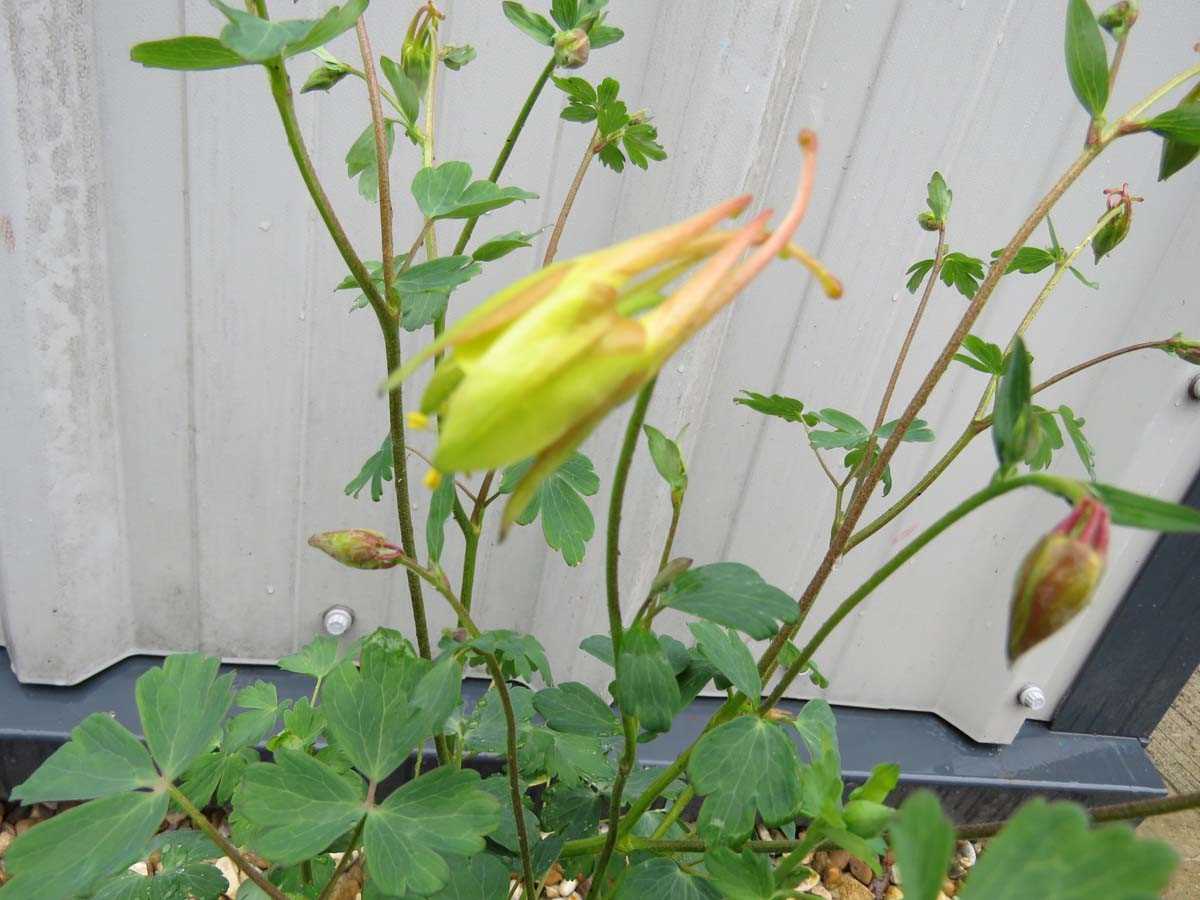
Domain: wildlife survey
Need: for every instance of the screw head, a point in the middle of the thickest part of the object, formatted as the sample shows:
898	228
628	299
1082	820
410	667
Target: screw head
1032	697
337	620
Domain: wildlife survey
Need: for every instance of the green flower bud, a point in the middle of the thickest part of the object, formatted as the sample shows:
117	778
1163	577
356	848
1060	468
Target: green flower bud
326	75
669	573
358	548
1119	18
867	818
1115	229
928	221
1058	576
571	48
1188	351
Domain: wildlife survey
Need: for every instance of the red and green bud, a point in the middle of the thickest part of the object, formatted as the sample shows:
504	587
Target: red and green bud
1059	576
571	48
1116	229
1188	351
358	548
1119	18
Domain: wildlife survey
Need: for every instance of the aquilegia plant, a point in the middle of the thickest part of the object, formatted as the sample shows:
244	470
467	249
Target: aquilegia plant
518	383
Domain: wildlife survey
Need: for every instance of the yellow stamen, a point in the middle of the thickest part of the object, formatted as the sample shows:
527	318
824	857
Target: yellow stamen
829	282
417	421
433	479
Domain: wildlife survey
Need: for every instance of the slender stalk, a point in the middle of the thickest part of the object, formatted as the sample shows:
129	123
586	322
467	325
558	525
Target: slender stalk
471	537
1118	55
669	543
938	258
1136	809
979	498
506	150
344	862
201	821
569	200
381	157
1096	360
633	431
391	340
514	773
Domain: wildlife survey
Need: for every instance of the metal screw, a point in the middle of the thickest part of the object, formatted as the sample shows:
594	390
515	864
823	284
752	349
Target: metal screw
1194	388
337	620
1032	697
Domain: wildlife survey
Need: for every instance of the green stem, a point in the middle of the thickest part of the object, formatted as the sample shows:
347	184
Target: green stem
201	821
633	432
616	501
506	150
676	810
669	543
1136	809
1060	486
514	772
344	862
587	846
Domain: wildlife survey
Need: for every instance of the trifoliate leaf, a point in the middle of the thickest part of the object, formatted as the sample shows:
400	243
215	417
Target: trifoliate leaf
69	852
181	704
662	879
733	595
317	658
745	766
443	812
567	521
1028	260
447	192
102	757
298	806
962	272
566	758
1043	438
727	654
1048	850
787	408
519	655
455	57
645	685
375	471
917	272
574	708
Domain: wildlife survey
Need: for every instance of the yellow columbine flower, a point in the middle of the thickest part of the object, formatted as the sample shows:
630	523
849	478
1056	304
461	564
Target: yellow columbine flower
533	369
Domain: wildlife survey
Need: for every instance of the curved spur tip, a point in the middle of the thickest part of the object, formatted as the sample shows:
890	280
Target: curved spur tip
808	140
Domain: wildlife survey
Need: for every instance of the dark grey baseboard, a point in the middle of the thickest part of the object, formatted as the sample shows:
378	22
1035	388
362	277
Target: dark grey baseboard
977	782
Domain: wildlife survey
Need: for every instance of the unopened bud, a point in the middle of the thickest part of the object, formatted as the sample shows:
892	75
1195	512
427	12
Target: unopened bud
928	221
867	818
669	573
1059	576
775	714
325	76
358	548
1115	229
1119	18
1188	351
571	48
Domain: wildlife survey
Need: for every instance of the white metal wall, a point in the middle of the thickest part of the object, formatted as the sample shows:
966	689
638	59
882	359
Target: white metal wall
183	397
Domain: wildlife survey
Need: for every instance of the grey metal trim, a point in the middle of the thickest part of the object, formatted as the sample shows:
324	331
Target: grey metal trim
976	781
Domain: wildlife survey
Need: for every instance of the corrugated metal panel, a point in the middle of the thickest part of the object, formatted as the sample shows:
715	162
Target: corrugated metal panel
184	399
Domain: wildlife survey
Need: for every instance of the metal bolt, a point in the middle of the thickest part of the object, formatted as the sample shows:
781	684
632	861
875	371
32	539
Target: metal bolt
1194	388
337	620
1032	697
